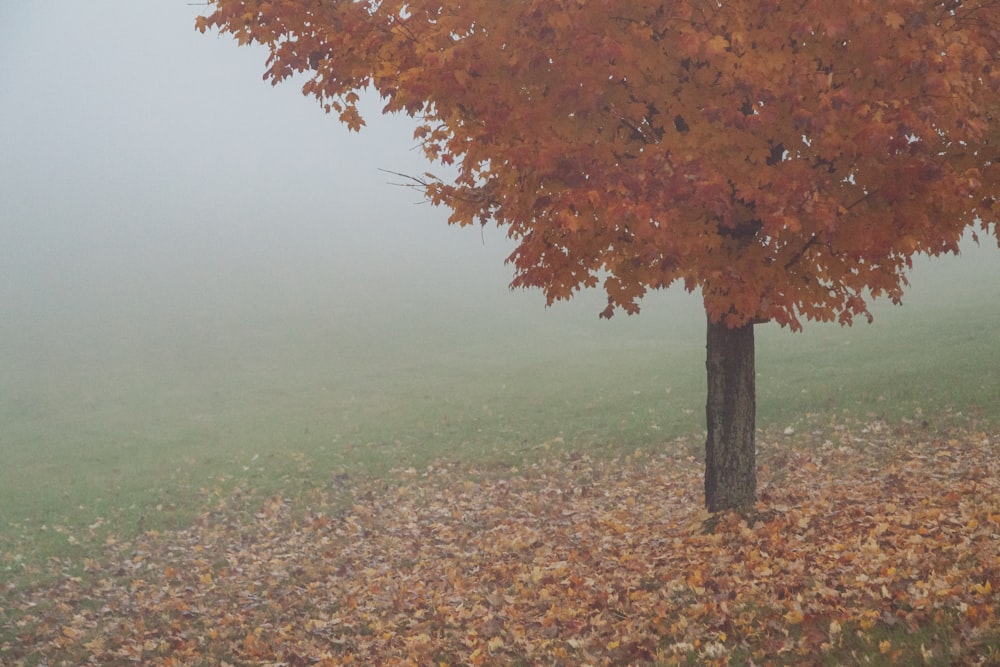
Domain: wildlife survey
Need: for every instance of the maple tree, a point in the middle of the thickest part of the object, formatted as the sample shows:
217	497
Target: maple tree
787	159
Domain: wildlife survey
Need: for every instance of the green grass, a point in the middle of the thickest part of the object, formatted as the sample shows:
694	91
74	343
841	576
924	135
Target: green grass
123	414
933	356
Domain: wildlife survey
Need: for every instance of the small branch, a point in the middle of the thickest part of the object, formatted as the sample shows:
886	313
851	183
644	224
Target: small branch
477	195
864	197
415	181
794	260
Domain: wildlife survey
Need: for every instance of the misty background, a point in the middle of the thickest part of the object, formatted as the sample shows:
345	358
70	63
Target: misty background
177	237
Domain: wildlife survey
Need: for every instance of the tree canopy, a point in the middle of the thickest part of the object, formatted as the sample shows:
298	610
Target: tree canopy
785	158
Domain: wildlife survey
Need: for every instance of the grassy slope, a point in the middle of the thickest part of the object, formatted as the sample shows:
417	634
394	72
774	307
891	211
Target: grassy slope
120	421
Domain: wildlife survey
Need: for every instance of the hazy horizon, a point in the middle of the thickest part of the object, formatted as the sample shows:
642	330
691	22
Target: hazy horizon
155	191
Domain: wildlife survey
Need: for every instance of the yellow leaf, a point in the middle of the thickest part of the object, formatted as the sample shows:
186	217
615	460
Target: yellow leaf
982	589
494	644
794	617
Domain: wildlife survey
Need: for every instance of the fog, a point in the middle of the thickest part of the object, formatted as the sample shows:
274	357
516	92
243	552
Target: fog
159	201
154	189
138	152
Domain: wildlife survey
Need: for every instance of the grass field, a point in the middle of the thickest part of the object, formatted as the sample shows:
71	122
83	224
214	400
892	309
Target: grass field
133	412
119	415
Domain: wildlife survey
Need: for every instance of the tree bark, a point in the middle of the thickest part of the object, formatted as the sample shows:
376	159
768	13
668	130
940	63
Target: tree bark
730	450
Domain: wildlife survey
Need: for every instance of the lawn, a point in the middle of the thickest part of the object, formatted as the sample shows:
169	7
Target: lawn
262	462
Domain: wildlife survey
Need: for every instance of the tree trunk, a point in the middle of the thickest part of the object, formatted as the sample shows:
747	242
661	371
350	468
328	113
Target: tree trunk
730	470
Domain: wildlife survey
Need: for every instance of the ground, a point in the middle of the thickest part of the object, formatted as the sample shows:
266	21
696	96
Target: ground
874	543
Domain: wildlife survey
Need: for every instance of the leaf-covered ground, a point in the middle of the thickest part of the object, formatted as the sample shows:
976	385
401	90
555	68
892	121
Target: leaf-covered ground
871	545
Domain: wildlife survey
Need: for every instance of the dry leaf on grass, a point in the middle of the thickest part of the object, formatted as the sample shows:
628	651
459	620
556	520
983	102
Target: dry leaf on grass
571	561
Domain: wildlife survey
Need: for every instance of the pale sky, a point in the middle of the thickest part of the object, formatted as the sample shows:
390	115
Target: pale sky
130	144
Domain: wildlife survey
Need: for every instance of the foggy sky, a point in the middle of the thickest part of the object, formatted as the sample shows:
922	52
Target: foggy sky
134	147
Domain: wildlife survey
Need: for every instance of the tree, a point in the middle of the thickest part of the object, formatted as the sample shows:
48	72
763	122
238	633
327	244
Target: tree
787	159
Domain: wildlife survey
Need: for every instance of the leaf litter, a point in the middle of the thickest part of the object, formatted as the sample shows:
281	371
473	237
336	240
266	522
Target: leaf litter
864	535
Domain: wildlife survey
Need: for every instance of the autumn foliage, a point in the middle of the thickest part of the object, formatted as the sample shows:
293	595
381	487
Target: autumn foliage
784	158
873	544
